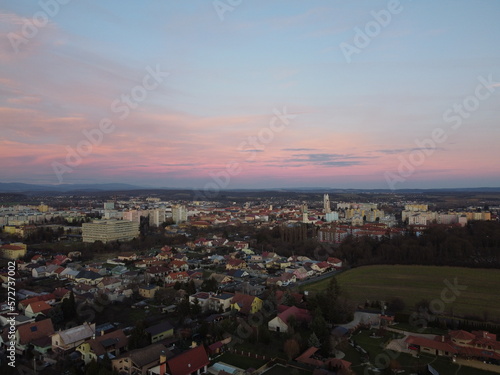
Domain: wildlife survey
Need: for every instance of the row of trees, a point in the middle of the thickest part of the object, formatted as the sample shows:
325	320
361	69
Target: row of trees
475	245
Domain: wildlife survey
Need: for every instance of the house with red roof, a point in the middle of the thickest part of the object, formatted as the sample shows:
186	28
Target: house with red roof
173	277
37	308
178	265
480	345
157	271
192	361
281	322
334	262
50	298
235	264
36	334
308	358
245	303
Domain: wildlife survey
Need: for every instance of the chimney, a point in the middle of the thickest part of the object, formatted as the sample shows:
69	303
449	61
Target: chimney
163	357
442	338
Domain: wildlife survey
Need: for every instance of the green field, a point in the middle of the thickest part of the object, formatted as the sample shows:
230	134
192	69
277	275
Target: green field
414	283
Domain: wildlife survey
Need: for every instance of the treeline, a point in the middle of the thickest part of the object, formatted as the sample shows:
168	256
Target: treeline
475	245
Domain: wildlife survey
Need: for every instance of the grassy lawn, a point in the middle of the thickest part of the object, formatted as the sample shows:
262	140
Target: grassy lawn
282	370
414	283
379	356
240	361
274	349
411	328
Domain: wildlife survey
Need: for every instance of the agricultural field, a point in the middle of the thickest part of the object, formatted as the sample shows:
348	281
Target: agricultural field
476	294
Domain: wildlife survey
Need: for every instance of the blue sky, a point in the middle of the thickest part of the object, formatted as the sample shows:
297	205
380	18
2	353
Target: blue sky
357	120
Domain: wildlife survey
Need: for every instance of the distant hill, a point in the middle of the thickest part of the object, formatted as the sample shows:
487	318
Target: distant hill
17	187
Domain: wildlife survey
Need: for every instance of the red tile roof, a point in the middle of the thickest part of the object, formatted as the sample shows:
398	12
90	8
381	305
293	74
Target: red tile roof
40	306
428	343
189	361
34	331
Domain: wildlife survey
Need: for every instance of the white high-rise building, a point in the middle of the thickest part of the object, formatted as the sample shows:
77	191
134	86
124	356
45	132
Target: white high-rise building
157	216
179	213
326	203
110	230
109	205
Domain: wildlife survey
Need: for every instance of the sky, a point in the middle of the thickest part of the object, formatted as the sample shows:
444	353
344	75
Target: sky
251	94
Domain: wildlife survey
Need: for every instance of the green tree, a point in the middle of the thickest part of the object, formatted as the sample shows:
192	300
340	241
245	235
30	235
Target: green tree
209	285
196	307
191	288
313	341
138	337
318	324
69	307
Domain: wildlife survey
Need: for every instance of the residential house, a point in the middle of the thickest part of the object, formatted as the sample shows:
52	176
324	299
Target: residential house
69	339
235	264
320	267
109	283
178	265
111	344
238	274
88	277
157	272
220	302
191	362
160	331
69	273
221	278
61	293
127	256
334	262
245	303
341	366
50	298
173	277
281	323
479	345
300	273
36	334
37	308
140	361
216	259
38	272
118	270
148	291
85	288
202	297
